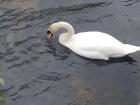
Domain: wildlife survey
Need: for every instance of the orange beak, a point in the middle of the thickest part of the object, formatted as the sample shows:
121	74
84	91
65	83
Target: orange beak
50	35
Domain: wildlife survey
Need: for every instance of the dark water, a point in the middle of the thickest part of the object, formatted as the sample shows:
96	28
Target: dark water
41	72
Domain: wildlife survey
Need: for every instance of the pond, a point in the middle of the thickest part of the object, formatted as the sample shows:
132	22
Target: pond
37	71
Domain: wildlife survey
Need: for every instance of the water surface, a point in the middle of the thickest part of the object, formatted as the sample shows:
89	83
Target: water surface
39	72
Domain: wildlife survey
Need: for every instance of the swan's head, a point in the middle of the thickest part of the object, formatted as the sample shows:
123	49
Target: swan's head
60	25
52	29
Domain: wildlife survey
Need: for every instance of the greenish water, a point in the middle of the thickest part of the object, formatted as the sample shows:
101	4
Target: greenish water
2	98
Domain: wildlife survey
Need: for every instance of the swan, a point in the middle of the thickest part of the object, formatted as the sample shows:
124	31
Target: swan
92	44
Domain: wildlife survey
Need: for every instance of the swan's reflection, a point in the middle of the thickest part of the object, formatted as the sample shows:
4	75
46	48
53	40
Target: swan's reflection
57	50
125	59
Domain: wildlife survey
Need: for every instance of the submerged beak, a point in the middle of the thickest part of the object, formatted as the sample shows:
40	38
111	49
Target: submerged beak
50	35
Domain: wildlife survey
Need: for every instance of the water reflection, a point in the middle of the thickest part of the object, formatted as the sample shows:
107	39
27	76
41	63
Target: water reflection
130	2
125	59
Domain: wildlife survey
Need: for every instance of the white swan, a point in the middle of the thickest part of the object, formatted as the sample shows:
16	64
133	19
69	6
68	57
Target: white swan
94	45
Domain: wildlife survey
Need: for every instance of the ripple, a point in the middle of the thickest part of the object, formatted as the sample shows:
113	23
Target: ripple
28	16
35	58
23	52
17	97
57	50
130	2
19	64
18	43
25	86
53	76
43	91
8	89
13	94
52	11
14	58
99	19
9	52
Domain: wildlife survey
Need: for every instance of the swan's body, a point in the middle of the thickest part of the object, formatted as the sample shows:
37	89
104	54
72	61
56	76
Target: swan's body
94	45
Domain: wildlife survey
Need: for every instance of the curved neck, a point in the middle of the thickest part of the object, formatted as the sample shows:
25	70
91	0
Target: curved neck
65	37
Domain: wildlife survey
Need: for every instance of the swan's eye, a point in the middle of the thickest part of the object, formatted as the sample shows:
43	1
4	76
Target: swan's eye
49	34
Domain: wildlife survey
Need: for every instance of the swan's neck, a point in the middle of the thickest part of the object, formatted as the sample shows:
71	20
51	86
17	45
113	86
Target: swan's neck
65	37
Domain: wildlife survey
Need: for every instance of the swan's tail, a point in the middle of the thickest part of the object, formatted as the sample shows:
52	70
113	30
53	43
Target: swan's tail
131	48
